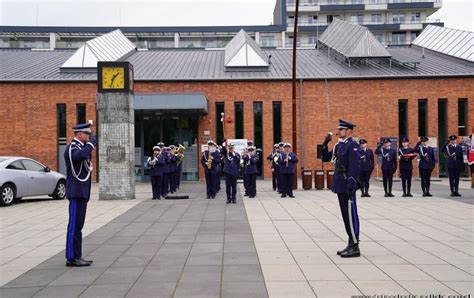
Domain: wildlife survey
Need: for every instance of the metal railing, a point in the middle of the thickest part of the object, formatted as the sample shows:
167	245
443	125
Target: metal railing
386	22
292	3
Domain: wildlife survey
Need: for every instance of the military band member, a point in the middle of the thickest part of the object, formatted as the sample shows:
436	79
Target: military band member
455	163
389	165
346	158
287	163
273	158
156	163
231	172
209	161
279	177
366	167
166	171
251	170
173	167
78	156
406	156
426	165
244	171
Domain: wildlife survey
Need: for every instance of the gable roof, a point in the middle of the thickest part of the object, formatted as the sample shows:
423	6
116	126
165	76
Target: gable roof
108	47
352	41
243	51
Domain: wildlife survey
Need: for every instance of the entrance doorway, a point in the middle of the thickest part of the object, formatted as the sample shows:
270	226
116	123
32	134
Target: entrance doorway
152	127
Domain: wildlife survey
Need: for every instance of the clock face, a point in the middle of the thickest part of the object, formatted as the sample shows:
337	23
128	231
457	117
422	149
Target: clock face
113	77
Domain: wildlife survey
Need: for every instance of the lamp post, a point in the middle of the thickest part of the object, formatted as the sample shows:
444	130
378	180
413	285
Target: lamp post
293	84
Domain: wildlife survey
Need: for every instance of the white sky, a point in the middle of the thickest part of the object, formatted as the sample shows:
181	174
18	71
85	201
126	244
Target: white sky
454	13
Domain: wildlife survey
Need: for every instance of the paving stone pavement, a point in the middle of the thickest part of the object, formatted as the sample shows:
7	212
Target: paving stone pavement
262	247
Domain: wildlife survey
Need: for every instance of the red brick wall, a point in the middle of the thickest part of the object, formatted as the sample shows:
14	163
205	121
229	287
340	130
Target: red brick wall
28	110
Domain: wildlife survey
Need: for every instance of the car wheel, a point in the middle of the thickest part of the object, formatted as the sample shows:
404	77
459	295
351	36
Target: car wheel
60	191
8	193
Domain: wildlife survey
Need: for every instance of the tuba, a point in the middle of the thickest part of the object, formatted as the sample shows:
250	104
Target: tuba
209	161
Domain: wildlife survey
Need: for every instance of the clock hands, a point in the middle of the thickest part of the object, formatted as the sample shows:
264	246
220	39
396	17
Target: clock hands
113	79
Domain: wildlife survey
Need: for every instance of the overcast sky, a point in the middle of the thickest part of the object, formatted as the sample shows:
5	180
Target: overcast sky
454	13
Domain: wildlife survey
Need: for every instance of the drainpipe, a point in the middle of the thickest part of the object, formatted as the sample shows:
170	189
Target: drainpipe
302	124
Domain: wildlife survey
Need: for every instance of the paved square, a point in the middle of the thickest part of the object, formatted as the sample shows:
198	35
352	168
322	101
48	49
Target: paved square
260	247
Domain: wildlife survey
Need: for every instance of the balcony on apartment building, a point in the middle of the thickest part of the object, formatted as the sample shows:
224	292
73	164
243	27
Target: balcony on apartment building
375	25
338	5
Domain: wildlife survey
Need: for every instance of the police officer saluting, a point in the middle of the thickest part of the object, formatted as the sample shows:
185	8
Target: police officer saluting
455	163
346	158
389	165
156	163
366	167
78	156
426	165
287	164
231	171
406	156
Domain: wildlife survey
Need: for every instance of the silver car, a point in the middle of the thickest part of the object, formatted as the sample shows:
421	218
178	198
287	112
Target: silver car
25	177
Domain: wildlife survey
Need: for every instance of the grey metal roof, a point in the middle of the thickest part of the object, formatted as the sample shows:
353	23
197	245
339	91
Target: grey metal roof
208	65
175	102
453	42
352	40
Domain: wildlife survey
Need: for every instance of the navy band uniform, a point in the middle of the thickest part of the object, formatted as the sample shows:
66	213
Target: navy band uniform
406	155
273	158
287	162
389	165
156	164
209	161
346	158
251	170
231	171
426	165
455	163
366	167
78	156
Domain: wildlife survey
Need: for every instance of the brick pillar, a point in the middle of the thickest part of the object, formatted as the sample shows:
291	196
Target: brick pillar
116	121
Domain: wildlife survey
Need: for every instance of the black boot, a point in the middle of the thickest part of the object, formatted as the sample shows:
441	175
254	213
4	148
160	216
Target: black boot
352	252
339	252
428	192
404	190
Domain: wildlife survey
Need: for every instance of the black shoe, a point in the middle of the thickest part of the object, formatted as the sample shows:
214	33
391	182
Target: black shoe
352	252
367	195
283	196
390	194
291	196
77	263
88	261
208	197
453	194
213	197
457	194
234	202
424	194
428	194
228	202
386	195
153	198
409	195
339	252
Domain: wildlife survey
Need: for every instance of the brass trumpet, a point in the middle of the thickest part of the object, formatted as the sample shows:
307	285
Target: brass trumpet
209	161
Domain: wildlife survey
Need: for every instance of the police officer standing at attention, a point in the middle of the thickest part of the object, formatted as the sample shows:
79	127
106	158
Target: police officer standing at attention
231	171
78	156
389	165
209	161
406	155
366	167
287	169
346	158
273	158
426	165
455	163
156	163
251	170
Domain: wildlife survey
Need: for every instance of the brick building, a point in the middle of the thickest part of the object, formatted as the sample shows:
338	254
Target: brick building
417	91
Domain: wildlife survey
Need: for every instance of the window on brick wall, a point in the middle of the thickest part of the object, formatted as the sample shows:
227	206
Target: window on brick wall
81	113
239	119
462	117
219	127
442	132
422	117
258	130
403	118
61	127
276	107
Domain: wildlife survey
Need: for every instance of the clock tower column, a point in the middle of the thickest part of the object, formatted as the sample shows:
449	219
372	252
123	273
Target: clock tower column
116	130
